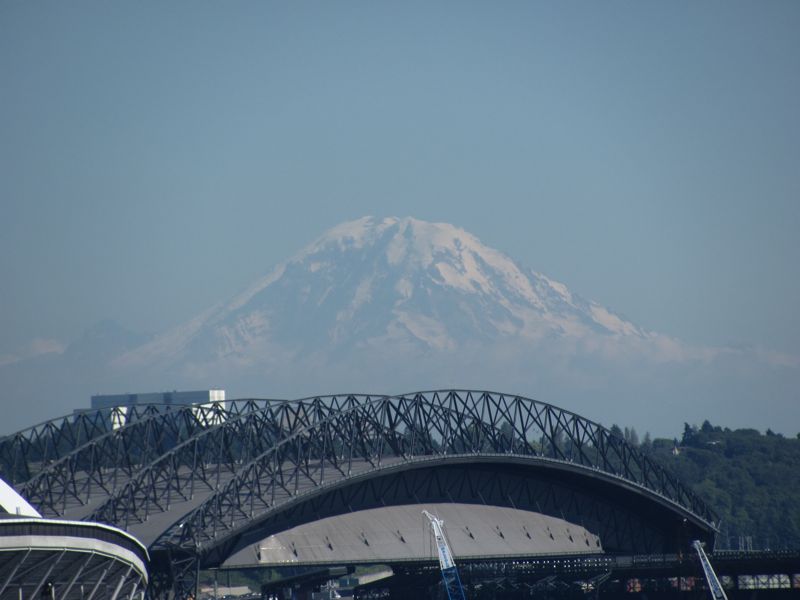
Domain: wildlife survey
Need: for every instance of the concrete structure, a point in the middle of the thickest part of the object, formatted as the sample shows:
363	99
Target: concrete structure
65	560
335	480
11	503
174	397
118	405
398	533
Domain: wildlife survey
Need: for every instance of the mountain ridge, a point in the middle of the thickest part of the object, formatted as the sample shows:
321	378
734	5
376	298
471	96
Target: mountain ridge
393	304
373	281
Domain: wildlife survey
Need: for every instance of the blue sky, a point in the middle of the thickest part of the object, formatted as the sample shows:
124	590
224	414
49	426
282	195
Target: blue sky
157	157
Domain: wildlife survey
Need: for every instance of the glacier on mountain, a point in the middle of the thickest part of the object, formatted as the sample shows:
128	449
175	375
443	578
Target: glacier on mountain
396	305
374	282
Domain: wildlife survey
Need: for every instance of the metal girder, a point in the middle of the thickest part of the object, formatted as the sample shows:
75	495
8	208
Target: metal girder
64	574
517	482
27	452
255	457
102	455
211	456
136	436
370	436
400	428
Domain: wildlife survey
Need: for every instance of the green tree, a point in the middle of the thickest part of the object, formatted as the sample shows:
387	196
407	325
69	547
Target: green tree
749	479
631	436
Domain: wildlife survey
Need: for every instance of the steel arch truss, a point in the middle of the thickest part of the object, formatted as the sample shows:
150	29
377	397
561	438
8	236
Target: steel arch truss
367	438
26	453
96	453
133	460
492	480
251	461
211	458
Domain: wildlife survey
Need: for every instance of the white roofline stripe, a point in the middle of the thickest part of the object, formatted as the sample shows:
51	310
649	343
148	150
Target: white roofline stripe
87	524
14	504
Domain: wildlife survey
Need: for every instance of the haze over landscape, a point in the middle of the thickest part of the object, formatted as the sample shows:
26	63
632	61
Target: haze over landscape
392	305
595	208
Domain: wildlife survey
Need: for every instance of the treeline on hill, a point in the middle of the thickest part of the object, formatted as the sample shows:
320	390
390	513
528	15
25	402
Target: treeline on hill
751	480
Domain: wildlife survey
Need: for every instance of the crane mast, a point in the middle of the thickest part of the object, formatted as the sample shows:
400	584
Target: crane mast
711	577
452	582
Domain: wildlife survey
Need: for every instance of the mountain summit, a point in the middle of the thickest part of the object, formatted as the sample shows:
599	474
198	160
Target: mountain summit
395	305
386	282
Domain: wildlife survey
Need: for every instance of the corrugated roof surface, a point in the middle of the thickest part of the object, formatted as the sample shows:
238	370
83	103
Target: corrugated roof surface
402	533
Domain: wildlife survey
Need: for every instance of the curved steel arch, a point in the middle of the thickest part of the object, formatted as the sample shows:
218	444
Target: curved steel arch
257	458
134	437
64	463
388	431
106	461
626	519
213	456
25	453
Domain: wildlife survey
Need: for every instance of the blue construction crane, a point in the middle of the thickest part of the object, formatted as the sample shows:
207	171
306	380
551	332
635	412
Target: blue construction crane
452	582
714	586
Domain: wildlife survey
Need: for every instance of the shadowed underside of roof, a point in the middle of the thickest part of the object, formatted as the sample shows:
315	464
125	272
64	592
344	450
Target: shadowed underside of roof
69	560
401	533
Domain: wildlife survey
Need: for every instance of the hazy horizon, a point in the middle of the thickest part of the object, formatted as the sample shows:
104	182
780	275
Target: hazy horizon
158	159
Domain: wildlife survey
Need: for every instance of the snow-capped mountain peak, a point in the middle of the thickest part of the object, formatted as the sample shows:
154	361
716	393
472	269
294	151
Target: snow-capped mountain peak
378	282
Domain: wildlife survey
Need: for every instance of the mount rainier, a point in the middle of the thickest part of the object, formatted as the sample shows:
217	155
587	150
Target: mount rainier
377	283
396	305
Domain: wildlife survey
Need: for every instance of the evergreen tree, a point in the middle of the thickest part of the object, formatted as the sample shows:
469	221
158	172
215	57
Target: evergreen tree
689	433
647	442
749	479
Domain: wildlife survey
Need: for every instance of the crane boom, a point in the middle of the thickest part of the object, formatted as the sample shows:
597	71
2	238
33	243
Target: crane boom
452	582
713	583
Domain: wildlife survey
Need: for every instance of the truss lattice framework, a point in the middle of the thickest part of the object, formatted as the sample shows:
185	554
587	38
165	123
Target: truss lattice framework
214	456
30	451
70	458
383	431
136	459
63	463
91	439
257	456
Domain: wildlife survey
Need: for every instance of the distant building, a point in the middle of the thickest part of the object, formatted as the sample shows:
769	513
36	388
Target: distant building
121	402
193	397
